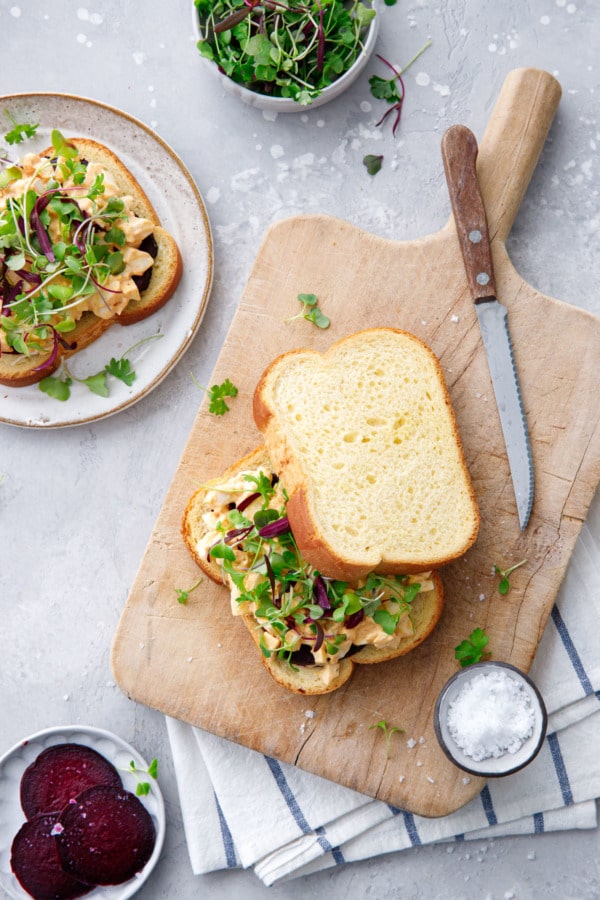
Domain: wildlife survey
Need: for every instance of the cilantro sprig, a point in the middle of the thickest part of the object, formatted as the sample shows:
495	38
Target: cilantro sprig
311	311
472	649
217	404
292	50
504	583
20	131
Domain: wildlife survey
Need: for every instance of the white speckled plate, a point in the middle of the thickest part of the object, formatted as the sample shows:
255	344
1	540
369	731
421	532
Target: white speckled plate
118	752
180	209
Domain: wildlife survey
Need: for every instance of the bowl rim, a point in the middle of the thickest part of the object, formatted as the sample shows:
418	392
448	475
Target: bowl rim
288	104
465	674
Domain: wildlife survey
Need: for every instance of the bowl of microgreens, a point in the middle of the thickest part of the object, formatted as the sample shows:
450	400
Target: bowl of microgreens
286	55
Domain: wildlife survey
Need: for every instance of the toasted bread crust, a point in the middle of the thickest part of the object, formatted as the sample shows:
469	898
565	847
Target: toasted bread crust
426	608
18	370
284	439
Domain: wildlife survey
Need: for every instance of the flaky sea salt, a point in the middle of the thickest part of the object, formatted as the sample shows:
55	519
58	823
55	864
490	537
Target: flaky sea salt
491	715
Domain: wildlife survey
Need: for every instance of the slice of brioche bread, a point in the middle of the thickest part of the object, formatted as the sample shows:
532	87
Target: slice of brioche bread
20	370
365	439
198	521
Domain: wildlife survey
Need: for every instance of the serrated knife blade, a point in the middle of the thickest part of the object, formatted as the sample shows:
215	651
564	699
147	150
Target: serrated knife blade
459	153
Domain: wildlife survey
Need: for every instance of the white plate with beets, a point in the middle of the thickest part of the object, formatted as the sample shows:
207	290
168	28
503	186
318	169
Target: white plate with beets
78	797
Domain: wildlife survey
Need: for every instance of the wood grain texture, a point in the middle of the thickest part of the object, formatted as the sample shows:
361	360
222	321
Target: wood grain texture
196	663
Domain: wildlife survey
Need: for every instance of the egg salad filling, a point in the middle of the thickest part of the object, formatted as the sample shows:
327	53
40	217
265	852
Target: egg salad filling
69	243
304	618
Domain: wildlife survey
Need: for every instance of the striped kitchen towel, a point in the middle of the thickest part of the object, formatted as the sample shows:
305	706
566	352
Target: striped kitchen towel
250	810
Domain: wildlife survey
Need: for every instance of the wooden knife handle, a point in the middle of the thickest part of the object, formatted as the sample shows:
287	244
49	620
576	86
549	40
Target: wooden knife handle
459	153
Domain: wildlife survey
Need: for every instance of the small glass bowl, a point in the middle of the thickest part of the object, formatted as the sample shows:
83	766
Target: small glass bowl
508	763
286	104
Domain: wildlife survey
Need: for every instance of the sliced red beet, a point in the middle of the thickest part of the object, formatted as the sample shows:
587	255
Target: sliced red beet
106	836
59	774
34	860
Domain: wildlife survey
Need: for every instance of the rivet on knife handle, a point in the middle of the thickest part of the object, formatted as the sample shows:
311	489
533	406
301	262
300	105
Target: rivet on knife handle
459	152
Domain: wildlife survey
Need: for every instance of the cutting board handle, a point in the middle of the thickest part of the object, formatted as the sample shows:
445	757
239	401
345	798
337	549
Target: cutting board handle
512	143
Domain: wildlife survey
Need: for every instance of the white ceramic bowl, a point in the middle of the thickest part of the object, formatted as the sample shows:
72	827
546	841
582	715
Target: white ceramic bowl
492	767
286	104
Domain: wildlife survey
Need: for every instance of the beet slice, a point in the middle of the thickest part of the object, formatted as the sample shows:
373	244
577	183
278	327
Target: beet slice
59	774
34	860
106	836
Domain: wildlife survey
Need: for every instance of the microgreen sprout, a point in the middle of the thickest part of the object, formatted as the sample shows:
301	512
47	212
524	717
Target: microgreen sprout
311	312
504	583
183	595
216	395
59	386
392	90
372	163
388	731
143	787
472	650
19	132
292	50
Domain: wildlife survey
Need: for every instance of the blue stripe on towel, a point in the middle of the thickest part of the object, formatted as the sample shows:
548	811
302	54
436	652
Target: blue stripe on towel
572	653
336	853
228	844
538	823
288	795
488	806
411	828
561	771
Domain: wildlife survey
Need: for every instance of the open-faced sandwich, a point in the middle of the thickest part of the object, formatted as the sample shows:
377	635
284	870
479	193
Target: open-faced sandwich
81	247
310	629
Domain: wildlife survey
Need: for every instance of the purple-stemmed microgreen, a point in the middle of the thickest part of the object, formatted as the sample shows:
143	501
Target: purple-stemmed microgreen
392	90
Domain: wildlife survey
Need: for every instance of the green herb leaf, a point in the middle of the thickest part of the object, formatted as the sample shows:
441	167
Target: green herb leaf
216	395
311	311
121	368
372	163
20	131
388	731
183	595
58	388
472	649
96	384
504	583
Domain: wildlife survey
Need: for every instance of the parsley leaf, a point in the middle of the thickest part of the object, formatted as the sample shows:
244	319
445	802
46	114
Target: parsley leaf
216	395
472	649
121	368
20	131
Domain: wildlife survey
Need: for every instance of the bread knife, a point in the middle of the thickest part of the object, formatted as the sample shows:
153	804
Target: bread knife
459	153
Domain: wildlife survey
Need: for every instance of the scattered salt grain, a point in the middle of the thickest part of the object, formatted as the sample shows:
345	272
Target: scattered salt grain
531	854
430	779
419	764
310	713
466	780
401	778
454	319
411	743
492	715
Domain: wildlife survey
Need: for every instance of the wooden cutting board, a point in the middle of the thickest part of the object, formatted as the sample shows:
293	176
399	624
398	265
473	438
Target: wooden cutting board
196	663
